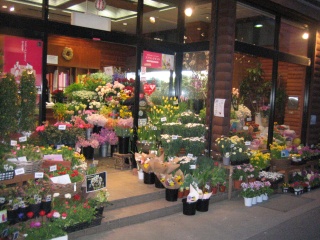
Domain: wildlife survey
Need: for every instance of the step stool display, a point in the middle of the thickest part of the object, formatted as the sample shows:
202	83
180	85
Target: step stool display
120	160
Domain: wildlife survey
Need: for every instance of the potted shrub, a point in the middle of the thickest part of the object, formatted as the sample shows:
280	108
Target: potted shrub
218	176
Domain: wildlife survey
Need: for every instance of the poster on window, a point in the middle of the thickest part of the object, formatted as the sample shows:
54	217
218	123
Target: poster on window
157	60
95	182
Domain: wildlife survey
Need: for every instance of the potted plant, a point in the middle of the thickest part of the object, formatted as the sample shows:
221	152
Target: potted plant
100	200
238	176
123	129
58	96
218	177
224	145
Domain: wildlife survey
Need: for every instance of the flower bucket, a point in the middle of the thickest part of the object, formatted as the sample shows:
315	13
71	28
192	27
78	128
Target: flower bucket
148	178
259	199
140	175
172	195
226	161
189	208
203	205
158	183
265	197
248	202
237	184
88	133
254	200
105	150
88	152
123	145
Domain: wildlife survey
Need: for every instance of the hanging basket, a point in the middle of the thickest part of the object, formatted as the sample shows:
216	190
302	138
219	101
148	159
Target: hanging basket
30	166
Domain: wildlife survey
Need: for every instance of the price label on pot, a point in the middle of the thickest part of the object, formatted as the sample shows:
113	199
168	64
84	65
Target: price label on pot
62	127
245	128
193	166
174	137
190	155
19	171
247	143
163	119
13	143
95	162
23	139
78	149
38	175
53	168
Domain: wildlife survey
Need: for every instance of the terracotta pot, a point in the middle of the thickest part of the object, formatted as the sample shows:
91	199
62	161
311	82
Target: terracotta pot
214	190
186	192
251	179
237	184
222	188
180	194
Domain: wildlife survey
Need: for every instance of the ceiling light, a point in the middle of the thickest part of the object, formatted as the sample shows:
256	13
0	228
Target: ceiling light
124	24
188	12
11	9
152	19
259	25
198	29
4	6
305	35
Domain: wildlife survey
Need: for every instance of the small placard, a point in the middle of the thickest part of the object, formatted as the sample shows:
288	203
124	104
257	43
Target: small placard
13	143
193	166
38	175
48	198
247	143
2	200
19	171
62	127
95	182
59	146
95	162
246	128
78	149
174	137
285	153
23	139
53	168
12	160
22	159
163	119
175	102
190	155
249	119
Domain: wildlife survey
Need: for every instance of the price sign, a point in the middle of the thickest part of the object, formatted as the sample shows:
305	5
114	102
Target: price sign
13	143
19	171
62	127
174	137
23	139
190	155
53	168
247	143
163	119
38	175
22	159
95	162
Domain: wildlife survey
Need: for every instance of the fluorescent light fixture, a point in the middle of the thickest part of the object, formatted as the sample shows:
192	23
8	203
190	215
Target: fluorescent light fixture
258	25
166	9
11	9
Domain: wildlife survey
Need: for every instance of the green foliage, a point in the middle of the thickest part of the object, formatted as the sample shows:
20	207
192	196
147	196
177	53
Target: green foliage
9	106
72	88
219	175
28	94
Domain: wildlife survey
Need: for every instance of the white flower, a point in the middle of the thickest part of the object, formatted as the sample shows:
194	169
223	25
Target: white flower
67	195
56	194
56	215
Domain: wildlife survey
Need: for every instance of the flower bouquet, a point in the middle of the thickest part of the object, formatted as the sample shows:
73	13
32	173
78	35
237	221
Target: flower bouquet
172	181
123	127
260	160
97	119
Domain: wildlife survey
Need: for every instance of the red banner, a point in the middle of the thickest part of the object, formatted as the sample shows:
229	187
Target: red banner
152	59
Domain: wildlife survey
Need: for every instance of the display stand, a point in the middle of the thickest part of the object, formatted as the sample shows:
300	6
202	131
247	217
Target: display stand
18	179
120	160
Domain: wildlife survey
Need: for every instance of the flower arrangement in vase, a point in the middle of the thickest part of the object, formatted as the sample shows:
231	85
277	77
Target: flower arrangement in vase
123	127
58	96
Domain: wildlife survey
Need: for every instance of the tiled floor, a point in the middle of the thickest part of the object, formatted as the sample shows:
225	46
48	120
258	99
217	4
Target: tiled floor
122	183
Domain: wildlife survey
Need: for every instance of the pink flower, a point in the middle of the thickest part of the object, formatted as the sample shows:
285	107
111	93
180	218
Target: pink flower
64	215
40	128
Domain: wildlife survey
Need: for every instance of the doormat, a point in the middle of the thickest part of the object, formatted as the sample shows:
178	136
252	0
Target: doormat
285	202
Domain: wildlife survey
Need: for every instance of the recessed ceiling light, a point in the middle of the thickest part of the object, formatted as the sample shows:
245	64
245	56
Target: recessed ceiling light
125	24
4	6
11	9
305	35
199	29
258	25
152	19
188	12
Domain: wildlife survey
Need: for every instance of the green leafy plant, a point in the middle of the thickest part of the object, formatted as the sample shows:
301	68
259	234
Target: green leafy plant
9	106
219	175
28	94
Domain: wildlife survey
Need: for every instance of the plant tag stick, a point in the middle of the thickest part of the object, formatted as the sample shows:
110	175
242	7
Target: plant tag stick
23	139
53	168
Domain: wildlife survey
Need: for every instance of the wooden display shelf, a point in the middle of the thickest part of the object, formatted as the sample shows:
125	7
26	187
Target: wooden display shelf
19	179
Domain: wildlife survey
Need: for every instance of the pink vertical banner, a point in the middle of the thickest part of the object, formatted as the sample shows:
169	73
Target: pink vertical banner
22	53
152	59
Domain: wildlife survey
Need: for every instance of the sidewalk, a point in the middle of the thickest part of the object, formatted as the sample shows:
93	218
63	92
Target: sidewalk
283	216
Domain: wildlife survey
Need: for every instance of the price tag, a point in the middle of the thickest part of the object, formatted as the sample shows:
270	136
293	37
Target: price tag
38	175
190	155
247	143
2	200
15	206
245	128
95	162
62	127
78	149
231	145
19	171
174	137
207	186
13	143
175	102
23	139
249	119
48	198
193	166
59	146
163	119
53	168
22	159
12	160
38	200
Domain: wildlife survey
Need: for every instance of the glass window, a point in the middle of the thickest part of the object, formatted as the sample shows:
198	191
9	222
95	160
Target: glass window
197	25
32	8
194	79
254	26
250	99
293	38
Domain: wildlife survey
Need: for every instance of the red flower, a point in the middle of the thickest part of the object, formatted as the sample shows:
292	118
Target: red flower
50	215
76	172
76	197
42	213
30	214
64	215
73	175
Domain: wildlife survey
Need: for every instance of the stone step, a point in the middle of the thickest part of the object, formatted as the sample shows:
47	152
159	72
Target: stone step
138	209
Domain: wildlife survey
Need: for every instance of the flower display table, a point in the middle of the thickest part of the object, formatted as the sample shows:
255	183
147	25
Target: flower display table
295	168
120	160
